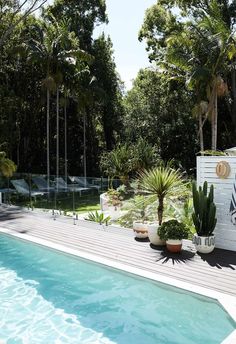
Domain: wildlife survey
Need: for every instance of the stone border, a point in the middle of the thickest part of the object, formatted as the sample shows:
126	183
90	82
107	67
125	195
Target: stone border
228	302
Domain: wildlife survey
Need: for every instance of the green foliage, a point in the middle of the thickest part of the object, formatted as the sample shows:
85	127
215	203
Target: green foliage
139	208
213	153
115	198
158	110
128	159
173	230
181	211
204	209
7	166
145	155
118	162
98	217
162	182
196	47
57	50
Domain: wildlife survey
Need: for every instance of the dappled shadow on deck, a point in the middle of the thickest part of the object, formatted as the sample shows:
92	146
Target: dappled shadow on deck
10	213
175	258
220	259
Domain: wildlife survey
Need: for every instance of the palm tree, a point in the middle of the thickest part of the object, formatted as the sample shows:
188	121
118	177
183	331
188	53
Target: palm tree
41	50
162	182
197	52
54	48
84	96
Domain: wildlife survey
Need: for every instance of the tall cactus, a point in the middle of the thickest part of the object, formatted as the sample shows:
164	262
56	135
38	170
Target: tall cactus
204	216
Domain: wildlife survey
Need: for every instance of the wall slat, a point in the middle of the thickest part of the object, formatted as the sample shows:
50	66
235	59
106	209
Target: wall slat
206	170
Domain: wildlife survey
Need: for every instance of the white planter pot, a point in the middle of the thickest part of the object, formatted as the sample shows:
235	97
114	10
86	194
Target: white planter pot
104	202
153	236
204	244
114	212
140	230
174	245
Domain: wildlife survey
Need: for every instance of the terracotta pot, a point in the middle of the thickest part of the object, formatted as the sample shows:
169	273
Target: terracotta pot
174	246
153	236
204	244
140	230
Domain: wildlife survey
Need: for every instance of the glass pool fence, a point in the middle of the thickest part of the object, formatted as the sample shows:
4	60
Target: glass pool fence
71	194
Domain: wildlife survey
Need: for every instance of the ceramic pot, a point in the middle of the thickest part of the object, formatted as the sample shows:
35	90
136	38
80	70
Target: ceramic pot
174	246
114	212
140	230
153	236
204	244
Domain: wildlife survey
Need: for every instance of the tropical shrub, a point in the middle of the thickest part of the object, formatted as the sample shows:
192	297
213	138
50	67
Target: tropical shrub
139	208
129	159
173	230
118	163
181	210
162	182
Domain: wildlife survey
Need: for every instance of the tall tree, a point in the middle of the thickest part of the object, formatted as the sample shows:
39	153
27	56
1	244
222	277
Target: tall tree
157	109
195	49
14	12
110	96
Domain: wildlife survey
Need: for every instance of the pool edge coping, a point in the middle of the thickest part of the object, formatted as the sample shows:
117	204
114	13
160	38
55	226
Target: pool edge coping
228	302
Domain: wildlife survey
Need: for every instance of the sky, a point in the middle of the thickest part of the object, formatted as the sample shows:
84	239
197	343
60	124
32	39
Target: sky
125	20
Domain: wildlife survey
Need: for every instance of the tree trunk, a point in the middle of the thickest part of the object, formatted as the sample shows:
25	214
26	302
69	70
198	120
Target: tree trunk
201	134
66	165
214	124
160	210
233	108
48	137
85	150
57	158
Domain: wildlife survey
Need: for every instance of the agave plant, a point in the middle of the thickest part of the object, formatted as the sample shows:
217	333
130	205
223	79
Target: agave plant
163	182
98	217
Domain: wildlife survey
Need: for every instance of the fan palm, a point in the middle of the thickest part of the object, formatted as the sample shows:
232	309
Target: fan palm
163	182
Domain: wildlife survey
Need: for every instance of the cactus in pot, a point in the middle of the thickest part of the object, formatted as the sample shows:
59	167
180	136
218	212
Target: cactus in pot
204	217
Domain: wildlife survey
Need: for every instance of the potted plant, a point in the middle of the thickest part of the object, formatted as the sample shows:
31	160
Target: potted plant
162	182
138	211
204	218
153	235
114	203
140	225
173	232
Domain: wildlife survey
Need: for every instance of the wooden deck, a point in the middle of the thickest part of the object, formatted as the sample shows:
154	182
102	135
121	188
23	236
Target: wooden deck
216	271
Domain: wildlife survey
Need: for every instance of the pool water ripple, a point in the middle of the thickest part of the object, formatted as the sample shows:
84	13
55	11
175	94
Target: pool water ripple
47	297
26	317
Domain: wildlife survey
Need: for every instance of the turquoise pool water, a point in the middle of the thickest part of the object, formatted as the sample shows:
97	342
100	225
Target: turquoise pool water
47	297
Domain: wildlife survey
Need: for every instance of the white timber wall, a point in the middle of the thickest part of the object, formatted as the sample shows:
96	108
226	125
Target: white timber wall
225	231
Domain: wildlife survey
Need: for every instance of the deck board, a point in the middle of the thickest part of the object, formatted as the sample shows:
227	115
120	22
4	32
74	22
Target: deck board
216	271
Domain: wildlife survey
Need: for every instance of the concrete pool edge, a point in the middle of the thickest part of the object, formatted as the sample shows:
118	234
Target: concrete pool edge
228	302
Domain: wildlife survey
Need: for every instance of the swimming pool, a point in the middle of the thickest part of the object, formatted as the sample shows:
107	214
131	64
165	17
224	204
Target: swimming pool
49	297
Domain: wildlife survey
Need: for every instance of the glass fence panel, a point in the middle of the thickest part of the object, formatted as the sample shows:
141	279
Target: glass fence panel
74	194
